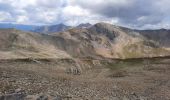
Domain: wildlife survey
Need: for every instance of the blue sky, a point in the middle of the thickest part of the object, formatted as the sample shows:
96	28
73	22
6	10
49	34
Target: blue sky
131	13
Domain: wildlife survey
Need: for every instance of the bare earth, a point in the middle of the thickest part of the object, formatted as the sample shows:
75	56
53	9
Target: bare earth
53	80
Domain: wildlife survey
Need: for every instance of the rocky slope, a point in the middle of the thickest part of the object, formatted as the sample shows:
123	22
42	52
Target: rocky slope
161	35
109	41
101	40
19	44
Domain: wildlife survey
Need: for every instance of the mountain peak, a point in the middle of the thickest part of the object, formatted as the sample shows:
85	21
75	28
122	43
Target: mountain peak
60	24
84	25
103	24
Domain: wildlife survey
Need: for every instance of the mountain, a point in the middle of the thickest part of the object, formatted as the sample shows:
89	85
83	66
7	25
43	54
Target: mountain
85	25
51	28
17	26
109	41
162	36
101	40
58	28
19	44
33	28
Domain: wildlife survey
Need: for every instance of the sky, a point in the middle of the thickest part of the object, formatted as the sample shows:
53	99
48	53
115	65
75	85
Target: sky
142	14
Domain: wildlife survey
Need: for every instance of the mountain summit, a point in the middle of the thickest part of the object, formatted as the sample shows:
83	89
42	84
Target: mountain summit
110	41
85	25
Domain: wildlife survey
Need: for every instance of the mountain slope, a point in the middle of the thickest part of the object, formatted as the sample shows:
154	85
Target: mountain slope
51	29
162	36
109	41
18	44
101	40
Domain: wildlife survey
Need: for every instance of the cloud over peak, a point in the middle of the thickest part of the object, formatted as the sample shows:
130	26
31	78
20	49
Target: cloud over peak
130	13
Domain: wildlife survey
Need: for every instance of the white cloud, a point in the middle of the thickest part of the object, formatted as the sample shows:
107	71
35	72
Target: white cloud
22	19
100	2
75	11
50	4
132	13
5	16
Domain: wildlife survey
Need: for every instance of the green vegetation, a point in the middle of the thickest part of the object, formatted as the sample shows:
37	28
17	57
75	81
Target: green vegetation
120	64
132	51
129	63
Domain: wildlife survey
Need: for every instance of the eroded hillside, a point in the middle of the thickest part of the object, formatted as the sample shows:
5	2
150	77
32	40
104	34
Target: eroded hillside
101	40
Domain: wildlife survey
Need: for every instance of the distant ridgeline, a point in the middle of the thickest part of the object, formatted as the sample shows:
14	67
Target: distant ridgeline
99	41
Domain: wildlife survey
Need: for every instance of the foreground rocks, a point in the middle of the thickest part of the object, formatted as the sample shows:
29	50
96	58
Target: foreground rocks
48	81
17	95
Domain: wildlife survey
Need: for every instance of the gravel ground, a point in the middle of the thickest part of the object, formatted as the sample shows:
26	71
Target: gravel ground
51	81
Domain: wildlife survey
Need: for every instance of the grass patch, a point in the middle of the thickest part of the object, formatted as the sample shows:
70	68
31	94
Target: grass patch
121	64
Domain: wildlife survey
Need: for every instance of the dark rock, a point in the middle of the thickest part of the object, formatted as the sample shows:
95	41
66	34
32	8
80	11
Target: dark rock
42	97
58	98
14	96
